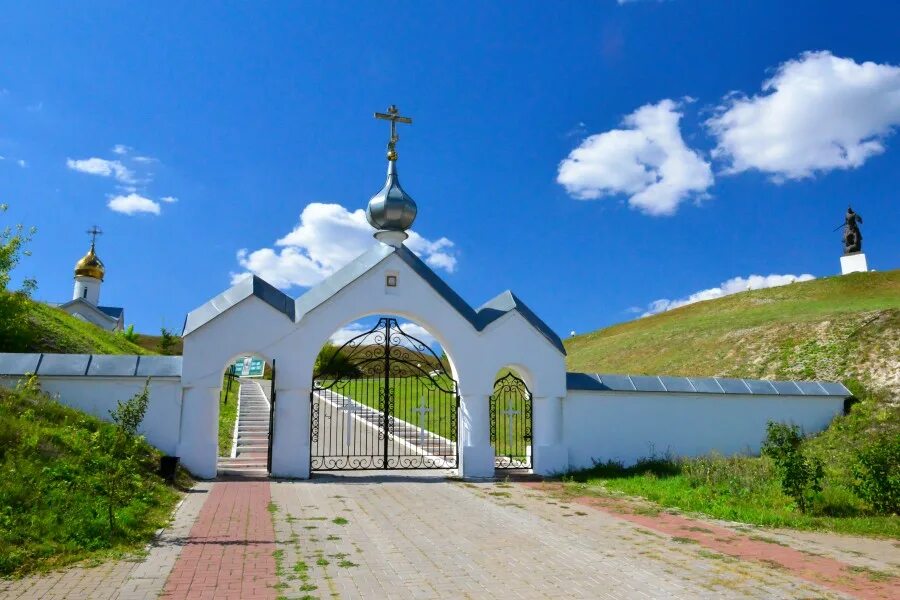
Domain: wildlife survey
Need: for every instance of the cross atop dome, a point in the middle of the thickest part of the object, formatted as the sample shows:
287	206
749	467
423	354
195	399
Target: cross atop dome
393	115
392	211
94	231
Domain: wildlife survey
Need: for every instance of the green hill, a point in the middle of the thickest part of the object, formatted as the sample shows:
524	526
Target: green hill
62	496
39	327
835	328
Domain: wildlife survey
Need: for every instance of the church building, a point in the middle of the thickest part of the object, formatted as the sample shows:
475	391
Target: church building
85	302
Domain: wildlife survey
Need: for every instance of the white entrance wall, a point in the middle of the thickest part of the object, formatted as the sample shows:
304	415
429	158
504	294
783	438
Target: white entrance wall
626	426
96	383
254	325
600	417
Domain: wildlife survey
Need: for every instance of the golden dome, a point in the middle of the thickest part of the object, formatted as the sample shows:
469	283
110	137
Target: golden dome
90	266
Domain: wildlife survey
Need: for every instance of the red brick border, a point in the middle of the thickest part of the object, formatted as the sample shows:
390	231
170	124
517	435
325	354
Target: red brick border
229	551
820	570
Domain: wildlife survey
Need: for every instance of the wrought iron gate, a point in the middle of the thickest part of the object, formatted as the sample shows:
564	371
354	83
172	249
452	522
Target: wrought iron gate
511	421
383	400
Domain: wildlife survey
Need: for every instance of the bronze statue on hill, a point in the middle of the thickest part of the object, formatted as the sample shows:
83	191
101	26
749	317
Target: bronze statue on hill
852	236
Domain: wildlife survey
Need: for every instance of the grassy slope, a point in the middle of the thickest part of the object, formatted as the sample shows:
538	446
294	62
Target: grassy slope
48	329
833	328
50	514
227	415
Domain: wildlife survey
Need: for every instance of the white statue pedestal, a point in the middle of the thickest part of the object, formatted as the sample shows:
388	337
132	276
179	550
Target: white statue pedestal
854	262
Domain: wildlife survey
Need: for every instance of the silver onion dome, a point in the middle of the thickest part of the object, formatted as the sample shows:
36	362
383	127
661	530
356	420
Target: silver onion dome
391	209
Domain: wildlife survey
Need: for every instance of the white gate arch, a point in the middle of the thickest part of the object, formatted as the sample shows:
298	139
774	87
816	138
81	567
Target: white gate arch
387	280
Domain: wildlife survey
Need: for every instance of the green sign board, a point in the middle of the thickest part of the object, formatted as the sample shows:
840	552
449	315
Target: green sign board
249	366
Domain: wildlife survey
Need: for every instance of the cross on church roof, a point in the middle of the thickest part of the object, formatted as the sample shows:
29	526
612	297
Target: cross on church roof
393	115
94	231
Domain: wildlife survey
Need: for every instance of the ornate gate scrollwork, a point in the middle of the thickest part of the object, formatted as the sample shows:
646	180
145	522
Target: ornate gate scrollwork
511	423
383	400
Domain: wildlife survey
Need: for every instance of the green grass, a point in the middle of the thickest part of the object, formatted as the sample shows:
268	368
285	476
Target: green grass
228	405
832	328
50	513
408	393
739	488
43	328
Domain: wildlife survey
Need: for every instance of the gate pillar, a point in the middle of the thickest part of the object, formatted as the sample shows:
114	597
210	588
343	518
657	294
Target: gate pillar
198	444
549	455
290	447
476	454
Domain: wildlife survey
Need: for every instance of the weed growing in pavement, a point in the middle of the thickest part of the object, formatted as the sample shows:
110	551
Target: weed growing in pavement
340	521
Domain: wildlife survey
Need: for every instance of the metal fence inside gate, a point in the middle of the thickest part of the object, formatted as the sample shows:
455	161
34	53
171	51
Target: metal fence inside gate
383	400
511	422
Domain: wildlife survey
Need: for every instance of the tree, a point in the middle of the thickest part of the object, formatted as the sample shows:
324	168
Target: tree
13	304
115	460
13	242
801	476
167	341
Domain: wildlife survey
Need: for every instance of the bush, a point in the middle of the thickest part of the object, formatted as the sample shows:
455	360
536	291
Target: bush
801	476
877	474
167	341
130	335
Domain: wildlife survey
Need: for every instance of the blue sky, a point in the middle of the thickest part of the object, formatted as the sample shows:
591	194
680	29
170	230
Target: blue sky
246	115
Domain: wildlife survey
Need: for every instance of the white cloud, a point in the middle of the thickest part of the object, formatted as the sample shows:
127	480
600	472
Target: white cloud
121	149
102	168
648	161
169	199
22	163
726	288
132	204
327	237
817	113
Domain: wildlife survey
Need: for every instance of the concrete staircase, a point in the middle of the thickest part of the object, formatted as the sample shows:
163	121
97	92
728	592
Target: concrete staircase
252	446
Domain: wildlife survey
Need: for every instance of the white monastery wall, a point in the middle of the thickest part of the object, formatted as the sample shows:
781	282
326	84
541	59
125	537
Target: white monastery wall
99	395
626	426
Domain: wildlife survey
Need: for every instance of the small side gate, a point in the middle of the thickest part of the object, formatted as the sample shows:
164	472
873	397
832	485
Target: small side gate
383	400
511	422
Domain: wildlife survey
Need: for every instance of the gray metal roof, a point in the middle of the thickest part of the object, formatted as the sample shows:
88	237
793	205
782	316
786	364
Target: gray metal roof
250	286
703	385
317	295
90	365
113	311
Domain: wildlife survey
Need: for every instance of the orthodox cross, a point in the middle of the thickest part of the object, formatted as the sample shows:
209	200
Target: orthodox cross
422	410
393	115
510	413
94	232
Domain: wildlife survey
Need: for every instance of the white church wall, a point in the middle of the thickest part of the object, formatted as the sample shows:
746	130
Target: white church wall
99	395
626	426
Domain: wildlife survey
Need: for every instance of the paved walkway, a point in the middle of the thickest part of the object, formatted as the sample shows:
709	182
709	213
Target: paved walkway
409	536
420	535
228	554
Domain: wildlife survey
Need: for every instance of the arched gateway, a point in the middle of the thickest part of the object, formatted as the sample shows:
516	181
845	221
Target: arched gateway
438	413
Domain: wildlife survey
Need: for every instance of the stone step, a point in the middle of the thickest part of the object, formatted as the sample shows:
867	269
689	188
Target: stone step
250	448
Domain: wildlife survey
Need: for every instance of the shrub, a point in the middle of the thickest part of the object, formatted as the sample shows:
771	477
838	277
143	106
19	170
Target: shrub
877	474
115	464
166	341
801	476
130	335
